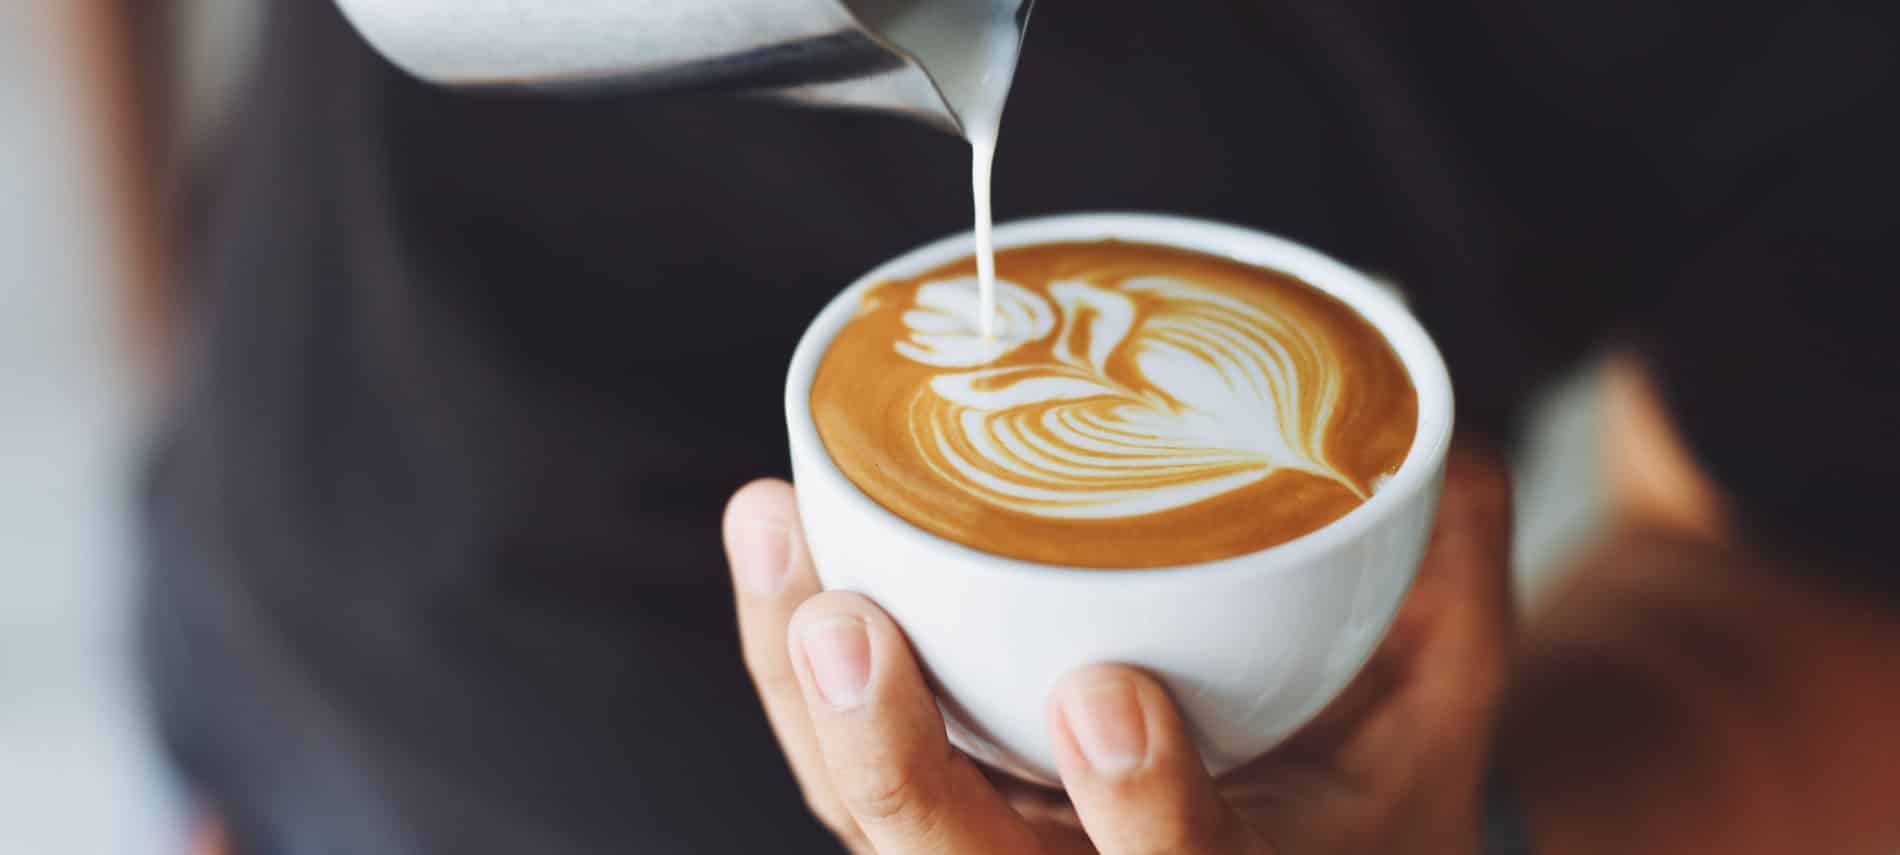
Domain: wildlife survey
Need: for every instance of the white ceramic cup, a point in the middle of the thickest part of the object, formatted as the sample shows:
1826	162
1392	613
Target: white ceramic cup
1250	647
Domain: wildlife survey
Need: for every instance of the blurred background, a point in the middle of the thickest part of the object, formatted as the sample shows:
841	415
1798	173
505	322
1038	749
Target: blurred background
78	768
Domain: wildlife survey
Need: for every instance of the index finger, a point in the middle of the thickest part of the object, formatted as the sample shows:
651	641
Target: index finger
771	575
1463	591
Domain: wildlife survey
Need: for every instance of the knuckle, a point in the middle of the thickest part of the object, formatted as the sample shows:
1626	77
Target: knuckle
887	793
1187	825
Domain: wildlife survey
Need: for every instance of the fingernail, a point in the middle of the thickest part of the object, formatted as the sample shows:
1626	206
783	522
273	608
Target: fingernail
765	556
839	651
1105	719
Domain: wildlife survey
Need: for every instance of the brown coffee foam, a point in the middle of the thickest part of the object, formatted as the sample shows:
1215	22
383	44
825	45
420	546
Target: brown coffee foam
868	401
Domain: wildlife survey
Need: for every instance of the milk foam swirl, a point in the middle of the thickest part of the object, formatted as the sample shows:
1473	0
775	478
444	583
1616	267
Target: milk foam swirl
1157	393
1137	405
945	330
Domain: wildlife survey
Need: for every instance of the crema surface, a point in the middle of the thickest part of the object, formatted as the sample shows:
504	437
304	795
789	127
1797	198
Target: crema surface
1137	406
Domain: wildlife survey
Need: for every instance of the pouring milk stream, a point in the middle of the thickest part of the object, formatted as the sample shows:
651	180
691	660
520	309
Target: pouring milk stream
969	48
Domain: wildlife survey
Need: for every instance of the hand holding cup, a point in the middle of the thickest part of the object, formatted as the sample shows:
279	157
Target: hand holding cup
1390	766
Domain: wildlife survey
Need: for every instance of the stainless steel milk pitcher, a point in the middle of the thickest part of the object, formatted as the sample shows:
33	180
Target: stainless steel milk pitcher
867	54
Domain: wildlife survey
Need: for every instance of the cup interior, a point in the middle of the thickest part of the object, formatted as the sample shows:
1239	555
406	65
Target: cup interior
1378	305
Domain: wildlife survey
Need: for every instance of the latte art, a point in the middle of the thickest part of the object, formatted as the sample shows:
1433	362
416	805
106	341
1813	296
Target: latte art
1210	399
1124	387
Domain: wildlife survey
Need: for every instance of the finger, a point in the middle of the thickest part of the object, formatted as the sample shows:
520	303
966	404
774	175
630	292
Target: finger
771	574
1471	536
1452	630
883	738
1134	775
1422	710
1464	582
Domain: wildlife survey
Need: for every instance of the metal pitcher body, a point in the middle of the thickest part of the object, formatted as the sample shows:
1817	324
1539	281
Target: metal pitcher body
821	52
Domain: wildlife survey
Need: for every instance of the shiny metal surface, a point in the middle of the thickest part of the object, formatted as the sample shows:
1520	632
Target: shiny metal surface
818	52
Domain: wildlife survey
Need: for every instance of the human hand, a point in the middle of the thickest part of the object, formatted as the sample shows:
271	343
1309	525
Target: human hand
1391	766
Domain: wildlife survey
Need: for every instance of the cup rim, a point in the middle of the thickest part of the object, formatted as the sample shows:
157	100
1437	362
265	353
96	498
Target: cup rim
1377	304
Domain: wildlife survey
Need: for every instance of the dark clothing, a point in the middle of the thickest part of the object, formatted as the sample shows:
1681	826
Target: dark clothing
434	523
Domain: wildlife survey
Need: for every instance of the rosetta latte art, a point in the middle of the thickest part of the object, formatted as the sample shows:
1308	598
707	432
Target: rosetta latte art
1136	405
1221	394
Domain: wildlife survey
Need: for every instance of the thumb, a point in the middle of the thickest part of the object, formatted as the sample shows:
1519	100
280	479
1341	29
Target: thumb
1134	775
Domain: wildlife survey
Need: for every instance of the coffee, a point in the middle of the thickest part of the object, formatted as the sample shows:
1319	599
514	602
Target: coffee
1137	406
